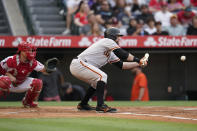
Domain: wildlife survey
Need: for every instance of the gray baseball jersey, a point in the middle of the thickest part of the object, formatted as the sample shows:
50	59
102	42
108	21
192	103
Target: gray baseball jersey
100	53
86	67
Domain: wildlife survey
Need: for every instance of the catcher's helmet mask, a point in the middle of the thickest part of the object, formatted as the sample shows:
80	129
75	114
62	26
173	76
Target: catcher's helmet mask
112	33
28	48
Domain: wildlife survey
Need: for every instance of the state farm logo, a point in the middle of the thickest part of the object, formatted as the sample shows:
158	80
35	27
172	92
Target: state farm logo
150	41
170	42
84	42
128	42
16	42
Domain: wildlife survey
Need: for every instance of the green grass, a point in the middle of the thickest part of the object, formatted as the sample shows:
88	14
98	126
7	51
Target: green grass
95	123
114	103
91	124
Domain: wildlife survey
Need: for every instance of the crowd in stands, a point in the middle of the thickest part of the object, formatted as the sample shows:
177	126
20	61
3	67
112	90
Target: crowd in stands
132	17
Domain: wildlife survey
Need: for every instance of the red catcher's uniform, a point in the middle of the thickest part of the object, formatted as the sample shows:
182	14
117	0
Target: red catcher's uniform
21	71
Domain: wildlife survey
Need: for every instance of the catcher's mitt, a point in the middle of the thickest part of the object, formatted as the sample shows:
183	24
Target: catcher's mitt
51	64
5	83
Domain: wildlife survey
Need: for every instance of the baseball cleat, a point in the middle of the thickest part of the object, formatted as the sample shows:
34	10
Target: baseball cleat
104	109
86	107
29	105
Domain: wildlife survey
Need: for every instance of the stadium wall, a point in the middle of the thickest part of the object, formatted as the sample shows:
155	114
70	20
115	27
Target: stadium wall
164	69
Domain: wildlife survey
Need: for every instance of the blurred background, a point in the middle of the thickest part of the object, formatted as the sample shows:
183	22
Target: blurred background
166	29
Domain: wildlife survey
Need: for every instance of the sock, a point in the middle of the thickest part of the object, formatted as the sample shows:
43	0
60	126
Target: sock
88	95
100	92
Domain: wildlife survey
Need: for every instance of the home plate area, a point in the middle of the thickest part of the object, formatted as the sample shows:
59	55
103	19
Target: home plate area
155	113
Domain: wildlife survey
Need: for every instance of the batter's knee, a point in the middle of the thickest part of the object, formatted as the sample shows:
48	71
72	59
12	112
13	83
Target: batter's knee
104	78
36	85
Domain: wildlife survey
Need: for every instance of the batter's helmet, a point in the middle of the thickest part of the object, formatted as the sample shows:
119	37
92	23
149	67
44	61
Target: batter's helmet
112	33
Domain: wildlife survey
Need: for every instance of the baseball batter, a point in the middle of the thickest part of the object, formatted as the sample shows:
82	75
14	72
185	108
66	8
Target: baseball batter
15	70
86	67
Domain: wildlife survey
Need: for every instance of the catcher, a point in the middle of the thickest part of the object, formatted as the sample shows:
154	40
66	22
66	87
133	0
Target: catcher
15	70
86	67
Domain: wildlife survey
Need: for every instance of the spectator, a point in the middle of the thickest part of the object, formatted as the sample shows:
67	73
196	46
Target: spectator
115	23
186	3
155	5
71	6
71	92
80	18
91	3
121	13
145	14
140	30
92	28
140	2
159	29
192	29
96	7
112	3
175	6
51	85
132	26
105	14
135	8
193	3
139	90
96	30
150	29
185	16
175	29
164	15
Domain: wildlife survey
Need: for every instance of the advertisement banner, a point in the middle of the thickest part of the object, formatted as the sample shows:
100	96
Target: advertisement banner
84	42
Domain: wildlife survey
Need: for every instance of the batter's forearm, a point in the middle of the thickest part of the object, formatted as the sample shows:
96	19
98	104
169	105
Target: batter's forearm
129	65
130	57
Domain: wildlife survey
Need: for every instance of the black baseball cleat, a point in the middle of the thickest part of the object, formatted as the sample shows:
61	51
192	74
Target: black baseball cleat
104	109
86	107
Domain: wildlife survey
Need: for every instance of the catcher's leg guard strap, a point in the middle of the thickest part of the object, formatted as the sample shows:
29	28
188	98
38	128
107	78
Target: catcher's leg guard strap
100	92
88	95
33	93
5	83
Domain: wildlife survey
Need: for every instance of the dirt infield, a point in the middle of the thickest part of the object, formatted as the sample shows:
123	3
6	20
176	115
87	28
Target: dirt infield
172	114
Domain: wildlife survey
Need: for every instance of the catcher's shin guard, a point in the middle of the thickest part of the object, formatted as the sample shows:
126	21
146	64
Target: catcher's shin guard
32	94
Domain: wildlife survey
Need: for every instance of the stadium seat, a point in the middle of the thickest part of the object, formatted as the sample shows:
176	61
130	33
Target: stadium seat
4	24
42	17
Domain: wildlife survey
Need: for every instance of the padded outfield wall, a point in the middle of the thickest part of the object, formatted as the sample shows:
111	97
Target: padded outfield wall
164	69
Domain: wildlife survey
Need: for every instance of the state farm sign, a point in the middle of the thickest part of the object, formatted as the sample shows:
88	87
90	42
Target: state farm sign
128	42
170	42
84	41
44	41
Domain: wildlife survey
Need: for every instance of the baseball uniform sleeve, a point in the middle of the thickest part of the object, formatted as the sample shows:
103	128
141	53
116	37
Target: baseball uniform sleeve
3	66
39	66
7	62
110	44
113	58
